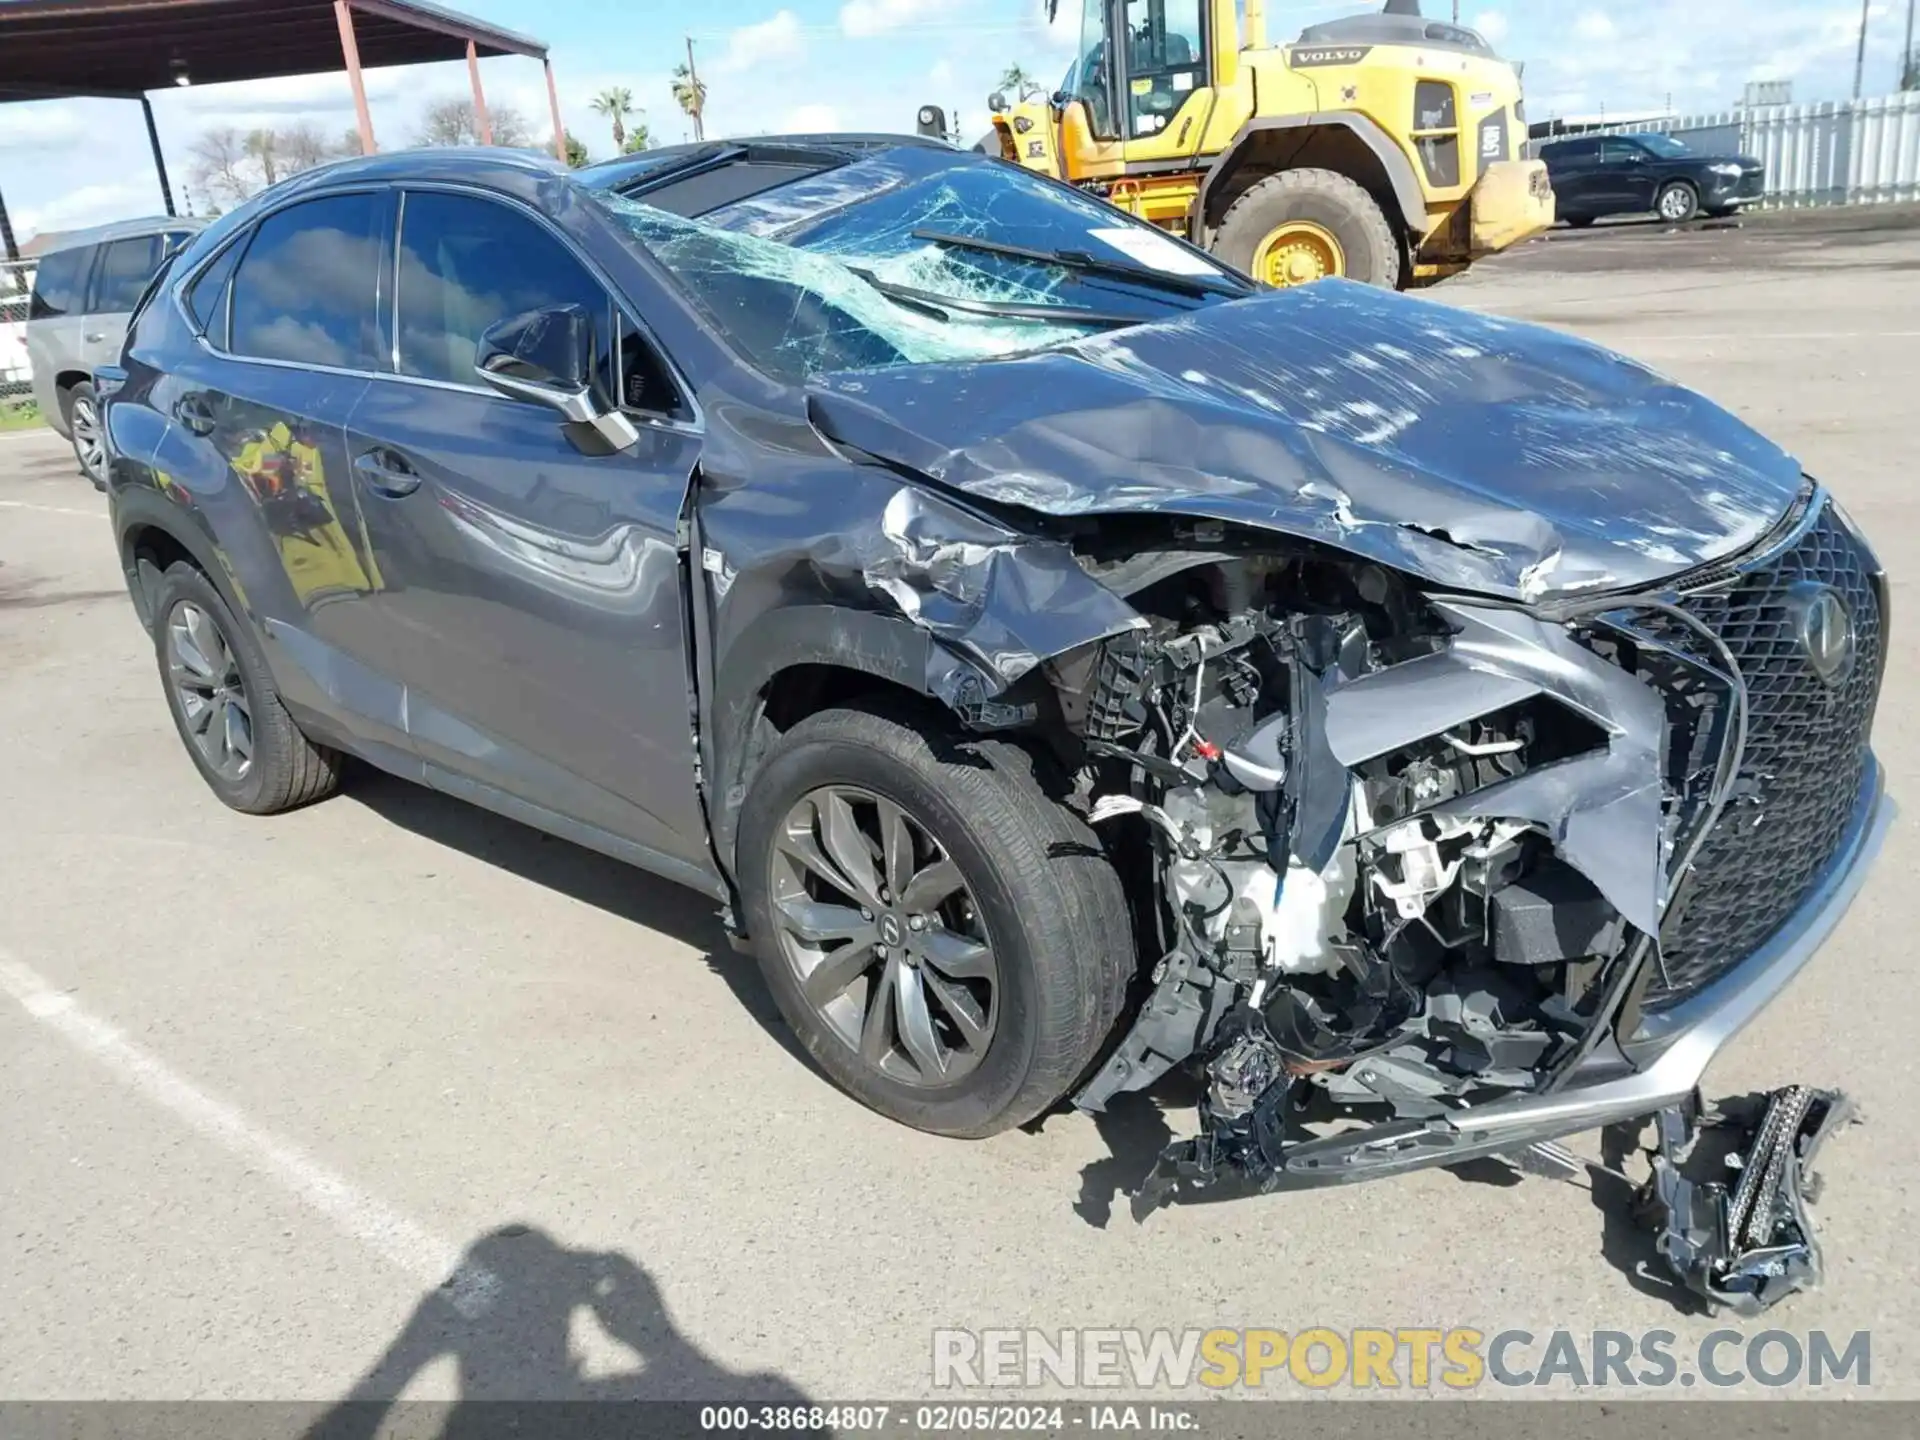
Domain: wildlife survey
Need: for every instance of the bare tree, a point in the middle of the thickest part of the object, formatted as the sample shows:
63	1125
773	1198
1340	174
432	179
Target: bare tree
219	167
302	146
263	148
452	122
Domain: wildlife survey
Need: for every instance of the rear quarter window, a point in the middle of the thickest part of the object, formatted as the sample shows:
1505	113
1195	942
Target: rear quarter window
207	297
60	283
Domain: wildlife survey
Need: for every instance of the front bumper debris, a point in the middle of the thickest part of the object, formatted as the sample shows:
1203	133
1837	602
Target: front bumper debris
1658	1065
1742	1243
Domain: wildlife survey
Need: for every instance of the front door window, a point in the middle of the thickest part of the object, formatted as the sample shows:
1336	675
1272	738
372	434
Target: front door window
1166	61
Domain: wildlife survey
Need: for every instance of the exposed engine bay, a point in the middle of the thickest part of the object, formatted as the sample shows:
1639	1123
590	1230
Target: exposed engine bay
1409	853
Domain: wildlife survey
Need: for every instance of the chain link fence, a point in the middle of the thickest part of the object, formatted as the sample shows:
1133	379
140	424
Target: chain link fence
16	284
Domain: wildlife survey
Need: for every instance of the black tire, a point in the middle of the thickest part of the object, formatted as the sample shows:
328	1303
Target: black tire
1580	222
81	411
1051	905
287	769
1326	198
1681	198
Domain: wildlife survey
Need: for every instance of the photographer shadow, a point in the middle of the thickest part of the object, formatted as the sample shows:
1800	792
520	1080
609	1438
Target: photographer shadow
506	1319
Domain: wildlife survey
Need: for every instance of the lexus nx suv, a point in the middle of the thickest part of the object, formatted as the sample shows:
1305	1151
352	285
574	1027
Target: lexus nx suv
1059	659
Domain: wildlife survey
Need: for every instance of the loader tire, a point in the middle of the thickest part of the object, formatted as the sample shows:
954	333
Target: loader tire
1305	225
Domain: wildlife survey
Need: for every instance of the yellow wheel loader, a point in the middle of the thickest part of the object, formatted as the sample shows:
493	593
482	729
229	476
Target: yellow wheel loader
1384	148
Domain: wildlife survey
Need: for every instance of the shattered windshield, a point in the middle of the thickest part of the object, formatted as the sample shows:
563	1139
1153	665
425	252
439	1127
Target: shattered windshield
797	314
835	272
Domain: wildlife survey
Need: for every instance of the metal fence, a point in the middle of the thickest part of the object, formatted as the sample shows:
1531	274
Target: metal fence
1863	152
16	283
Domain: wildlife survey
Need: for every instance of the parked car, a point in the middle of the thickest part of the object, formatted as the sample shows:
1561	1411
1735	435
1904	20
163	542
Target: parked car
1059	658
77	319
1601	175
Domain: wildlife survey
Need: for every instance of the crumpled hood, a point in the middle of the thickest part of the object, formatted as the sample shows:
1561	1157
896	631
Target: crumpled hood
1478	453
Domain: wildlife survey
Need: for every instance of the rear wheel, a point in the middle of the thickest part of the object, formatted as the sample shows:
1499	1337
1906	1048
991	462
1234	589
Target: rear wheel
89	438
949	944
1305	225
1579	222
225	706
1678	201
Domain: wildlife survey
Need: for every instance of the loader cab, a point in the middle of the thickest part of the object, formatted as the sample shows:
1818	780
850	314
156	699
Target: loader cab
1144	77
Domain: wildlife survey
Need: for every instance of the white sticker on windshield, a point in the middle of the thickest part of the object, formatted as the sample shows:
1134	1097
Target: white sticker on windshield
1154	251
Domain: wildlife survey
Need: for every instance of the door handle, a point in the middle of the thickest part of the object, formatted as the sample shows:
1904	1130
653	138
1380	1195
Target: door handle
387	473
96	337
193	412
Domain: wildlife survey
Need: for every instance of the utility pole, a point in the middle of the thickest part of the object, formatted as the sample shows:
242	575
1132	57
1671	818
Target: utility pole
1860	56
1909	66
1456	12
699	100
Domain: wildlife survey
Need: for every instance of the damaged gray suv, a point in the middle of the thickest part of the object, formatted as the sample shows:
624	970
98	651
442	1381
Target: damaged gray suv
1061	660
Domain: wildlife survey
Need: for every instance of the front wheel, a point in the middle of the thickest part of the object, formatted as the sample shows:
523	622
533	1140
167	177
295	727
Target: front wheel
1305	225
948	943
1678	202
87	433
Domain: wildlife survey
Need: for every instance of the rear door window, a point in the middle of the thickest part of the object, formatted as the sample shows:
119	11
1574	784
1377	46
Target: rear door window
306	289
60	283
124	269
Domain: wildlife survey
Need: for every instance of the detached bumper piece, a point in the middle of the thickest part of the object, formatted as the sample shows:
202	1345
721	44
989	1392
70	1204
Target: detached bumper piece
1744	1243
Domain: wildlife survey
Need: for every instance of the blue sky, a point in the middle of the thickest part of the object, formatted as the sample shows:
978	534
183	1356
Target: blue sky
868	64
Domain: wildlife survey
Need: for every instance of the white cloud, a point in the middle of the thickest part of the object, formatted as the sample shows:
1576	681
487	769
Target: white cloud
812	120
1492	24
777	38
1594	25
941	73
87	205
39	126
862	18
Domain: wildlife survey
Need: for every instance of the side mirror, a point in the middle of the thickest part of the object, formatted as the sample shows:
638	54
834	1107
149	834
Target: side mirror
997	102
547	356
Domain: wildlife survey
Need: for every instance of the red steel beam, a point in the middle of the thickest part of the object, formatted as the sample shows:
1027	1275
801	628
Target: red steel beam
343	13
481	119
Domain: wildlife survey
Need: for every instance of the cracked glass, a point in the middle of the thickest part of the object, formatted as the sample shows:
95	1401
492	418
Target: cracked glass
798	278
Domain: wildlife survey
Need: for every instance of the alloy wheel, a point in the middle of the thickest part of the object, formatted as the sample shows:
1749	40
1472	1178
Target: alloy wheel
89	444
884	936
1675	204
206	680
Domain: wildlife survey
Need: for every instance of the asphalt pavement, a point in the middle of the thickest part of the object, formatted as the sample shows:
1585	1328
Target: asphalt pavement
390	1096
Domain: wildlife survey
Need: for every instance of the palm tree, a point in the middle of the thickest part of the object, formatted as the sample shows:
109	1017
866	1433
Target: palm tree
1023	85
616	103
690	91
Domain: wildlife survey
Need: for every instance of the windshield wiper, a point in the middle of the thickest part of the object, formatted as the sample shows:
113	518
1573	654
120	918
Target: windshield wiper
1195	285
940	307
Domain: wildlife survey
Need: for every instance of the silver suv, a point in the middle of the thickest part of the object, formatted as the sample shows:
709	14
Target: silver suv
83	293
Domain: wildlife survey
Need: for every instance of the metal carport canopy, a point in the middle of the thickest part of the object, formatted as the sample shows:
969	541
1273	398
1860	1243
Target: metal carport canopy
60	49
